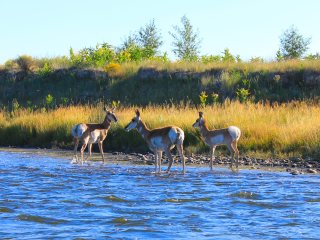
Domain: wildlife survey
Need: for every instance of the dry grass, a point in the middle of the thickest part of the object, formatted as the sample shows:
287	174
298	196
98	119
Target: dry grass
283	66
286	129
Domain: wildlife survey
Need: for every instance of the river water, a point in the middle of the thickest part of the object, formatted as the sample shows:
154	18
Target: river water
43	197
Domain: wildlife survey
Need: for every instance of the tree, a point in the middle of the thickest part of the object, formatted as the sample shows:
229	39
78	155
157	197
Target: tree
149	39
292	44
186	43
129	41
227	56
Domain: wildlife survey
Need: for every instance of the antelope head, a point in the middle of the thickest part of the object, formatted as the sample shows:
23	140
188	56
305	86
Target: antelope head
110	115
134	122
199	122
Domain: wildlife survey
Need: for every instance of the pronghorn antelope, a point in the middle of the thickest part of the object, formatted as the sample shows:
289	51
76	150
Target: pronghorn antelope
90	133
159	140
226	136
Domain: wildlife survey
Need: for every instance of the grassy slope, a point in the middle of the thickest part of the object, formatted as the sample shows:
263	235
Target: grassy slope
161	83
289	129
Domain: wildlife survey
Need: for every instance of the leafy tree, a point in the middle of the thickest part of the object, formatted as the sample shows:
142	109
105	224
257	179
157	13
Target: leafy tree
313	57
186	42
279	56
130	41
149	39
227	56
292	44
130	50
99	56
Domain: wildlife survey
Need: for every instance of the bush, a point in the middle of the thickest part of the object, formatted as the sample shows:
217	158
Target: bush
242	94
10	65
210	58
45	71
203	98
25	63
49	100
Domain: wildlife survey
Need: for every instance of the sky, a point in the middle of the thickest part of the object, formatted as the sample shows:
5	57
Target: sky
250	28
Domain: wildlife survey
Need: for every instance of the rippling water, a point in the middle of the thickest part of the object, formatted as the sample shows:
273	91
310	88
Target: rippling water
43	197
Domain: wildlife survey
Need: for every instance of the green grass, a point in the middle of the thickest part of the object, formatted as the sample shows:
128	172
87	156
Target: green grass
156	82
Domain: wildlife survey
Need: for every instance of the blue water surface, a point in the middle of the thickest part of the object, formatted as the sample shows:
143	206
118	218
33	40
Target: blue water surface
48	198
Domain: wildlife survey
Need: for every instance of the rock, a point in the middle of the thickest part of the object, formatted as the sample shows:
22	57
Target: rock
150	162
310	170
309	166
190	160
295	172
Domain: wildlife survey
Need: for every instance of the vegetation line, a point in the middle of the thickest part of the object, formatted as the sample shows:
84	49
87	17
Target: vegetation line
279	130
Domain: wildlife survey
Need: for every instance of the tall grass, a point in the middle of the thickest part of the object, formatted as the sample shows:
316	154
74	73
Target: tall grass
272	130
272	66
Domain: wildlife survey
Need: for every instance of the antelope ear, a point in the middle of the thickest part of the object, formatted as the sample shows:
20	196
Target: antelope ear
200	114
138	113
105	109
113	109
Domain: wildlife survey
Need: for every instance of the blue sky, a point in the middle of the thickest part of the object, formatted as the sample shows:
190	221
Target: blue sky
249	28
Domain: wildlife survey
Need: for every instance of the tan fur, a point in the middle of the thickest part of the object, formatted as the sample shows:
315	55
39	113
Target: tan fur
159	140
94	133
216	137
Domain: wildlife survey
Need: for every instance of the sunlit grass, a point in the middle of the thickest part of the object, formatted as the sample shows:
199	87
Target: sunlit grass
283	66
280	130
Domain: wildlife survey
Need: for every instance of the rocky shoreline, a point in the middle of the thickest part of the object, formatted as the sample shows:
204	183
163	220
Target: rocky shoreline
293	165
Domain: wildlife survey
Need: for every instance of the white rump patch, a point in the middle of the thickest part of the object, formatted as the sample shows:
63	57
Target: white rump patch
157	142
217	140
173	135
78	130
234	132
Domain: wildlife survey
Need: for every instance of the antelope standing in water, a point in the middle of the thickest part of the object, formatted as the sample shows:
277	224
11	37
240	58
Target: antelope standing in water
90	133
159	140
226	136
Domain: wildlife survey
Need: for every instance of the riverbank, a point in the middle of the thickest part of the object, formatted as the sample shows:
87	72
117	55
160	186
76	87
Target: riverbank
294	166
156	82
267	131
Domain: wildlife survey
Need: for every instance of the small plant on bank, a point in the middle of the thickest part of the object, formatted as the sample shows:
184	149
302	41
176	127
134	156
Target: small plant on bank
15	105
115	104
49	100
214	98
243	94
45	71
203	98
113	69
64	101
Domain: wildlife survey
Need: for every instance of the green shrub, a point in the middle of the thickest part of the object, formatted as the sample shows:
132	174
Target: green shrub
45	71
215	98
25	63
203	98
49	100
242	94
